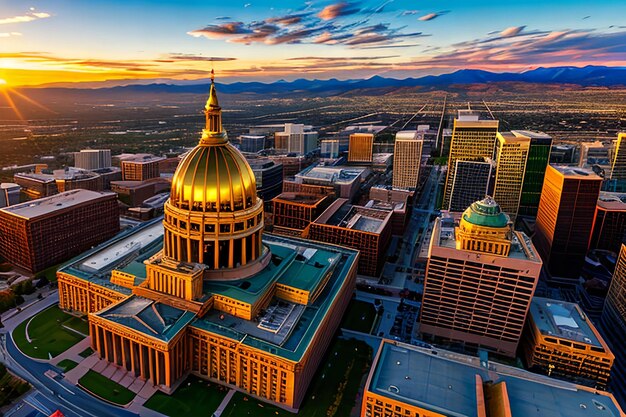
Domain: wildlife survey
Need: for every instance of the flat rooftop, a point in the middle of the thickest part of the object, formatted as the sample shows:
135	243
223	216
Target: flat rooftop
576	172
35	177
562	319
330	174
302	198
149	317
57	202
342	214
445	233
143	159
612	201
531	134
445	382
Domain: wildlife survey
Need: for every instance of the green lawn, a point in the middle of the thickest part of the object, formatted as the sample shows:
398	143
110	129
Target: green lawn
48	336
86	353
359	316
78	324
67	365
105	388
332	392
194	397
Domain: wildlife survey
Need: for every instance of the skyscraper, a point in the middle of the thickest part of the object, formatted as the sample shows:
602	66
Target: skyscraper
295	139
471	138
512	154
92	159
360	147
472	181
536	163
613	326
618	165
407	157
480	279
565	219
609	226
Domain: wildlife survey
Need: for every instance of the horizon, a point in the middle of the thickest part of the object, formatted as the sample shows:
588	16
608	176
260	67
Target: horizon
62	42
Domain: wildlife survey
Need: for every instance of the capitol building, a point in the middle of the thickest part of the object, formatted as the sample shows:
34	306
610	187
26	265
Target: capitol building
203	291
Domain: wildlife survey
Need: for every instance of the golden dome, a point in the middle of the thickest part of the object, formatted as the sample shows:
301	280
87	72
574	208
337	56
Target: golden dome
214	178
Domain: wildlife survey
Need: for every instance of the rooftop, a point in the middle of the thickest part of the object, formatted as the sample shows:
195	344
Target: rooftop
342	214
57	202
142	158
531	134
35	177
331	174
302	198
410	135
575	172
445	383
486	212
562	319
612	201
149	317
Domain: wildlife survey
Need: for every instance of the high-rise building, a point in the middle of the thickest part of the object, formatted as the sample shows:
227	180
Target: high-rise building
512	154
560	340
269	177
472	138
360	148
618	165
595	153
410	381
609	226
44	232
362	228
536	163
141	168
472	182
9	194
613	326
407	157
92	159
480	279
295	139
251	143
329	148
565	219
205	293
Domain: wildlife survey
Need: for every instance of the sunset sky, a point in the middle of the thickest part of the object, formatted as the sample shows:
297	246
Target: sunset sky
60	41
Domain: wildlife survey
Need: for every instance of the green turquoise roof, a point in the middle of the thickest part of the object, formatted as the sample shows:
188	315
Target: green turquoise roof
486	212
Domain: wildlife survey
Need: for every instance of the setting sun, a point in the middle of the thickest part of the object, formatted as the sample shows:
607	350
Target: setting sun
3	81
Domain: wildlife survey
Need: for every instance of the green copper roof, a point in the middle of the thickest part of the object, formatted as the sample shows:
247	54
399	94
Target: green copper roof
486	212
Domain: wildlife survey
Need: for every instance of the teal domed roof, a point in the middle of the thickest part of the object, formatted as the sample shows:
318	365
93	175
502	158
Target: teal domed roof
486	212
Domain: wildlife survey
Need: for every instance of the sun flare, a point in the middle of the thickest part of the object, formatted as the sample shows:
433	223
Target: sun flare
3	81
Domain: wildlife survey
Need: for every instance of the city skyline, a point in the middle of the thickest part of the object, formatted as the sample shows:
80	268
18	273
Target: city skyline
60	41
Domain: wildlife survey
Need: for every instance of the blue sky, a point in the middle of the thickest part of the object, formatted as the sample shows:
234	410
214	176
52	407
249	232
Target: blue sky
62	40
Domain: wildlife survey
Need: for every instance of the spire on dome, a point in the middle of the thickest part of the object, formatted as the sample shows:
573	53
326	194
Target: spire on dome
213	132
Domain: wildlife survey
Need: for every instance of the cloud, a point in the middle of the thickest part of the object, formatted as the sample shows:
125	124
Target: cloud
219	31
350	58
409	12
336	10
9	34
290	19
431	16
28	17
512	31
189	57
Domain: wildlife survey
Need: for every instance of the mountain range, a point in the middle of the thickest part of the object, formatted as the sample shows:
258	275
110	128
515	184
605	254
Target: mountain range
600	76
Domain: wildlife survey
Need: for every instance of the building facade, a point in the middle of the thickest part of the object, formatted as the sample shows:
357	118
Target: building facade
472	138
91	159
480	278
9	194
609	225
561	341
613	326
407	157
565	219
203	292
361	147
294	212
536	164
618	165
472	182
269	177
511	158
141	169
51	230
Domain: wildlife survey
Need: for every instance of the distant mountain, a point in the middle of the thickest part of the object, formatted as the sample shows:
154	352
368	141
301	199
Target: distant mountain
586	76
